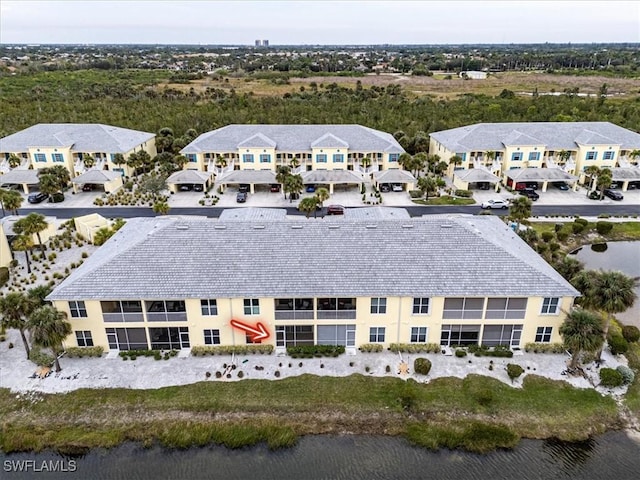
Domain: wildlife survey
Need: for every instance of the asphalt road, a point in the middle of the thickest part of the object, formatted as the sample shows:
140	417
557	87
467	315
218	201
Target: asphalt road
546	210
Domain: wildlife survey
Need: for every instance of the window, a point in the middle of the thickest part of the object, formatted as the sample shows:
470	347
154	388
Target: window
165	310
212	337
592	156
265	158
338	158
192	157
337	335
293	308
379	305
127	338
421	306
77	308
376	334
462	155
394	157
533	156
460	335
321	158
336	308
543	334
112	157
247	158
550	306
494	335
251	306
169	338
462	308
57	157
209	307
122	311
506	308
418	334
294	335
608	155
83	337
40	157
516	156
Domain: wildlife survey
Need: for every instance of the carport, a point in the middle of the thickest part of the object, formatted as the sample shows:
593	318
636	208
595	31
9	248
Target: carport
189	177
462	178
108	180
24	178
250	177
331	178
624	175
394	175
544	175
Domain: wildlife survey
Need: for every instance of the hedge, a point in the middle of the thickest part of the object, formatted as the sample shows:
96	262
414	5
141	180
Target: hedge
422	366
156	354
604	228
4	276
463	193
610	378
231	349
618	345
80	352
486	351
544	348
310	351
41	358
371	347
415	347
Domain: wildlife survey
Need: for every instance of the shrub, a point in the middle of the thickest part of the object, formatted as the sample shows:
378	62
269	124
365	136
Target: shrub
544	348
40	358
581	221
557	227
415	347
547	236
218	374
201	351
309	351
422	366
80	352
240	374
610	378
463	193
387	369
618	344
604	228
577	228
514	371
277	373
562	236
371	347
461	353
4	276
627	374
486	351
631	333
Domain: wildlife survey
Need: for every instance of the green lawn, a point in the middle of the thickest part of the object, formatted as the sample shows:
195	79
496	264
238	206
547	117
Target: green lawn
445	200
477	413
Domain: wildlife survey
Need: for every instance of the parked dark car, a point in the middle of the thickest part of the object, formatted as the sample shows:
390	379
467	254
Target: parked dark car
37	197
198	187
311	188
335	210
275	187
484	186
241	197
185	187
561	185
385	187
87	187
56	197
613	194
530	193
243	188
594	195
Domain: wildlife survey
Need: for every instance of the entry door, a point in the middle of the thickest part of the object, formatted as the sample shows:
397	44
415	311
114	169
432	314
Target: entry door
184	337
112	339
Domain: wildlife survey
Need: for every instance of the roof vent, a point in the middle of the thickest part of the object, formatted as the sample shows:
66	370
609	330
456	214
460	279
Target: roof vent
334	227
296	227
220	227
258	227
446	225
182	227
408	225
371	226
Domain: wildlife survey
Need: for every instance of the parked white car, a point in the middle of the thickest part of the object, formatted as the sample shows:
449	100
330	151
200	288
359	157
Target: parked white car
499	203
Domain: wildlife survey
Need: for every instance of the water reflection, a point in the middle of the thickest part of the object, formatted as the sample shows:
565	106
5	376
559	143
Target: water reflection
599	247
572	455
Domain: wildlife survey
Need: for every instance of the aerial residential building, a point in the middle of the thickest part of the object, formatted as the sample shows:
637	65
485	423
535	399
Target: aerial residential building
540	152
171	282
328	154
49	144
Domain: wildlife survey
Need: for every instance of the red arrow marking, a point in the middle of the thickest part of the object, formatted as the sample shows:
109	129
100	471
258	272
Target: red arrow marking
257	332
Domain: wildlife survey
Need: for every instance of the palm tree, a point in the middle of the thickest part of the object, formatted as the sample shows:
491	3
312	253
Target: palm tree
282	173
491	155
38	295
49	328
581	332
634	154
308	205
426	185
161	208
221	162
603	181
34	223
365	162
432	161
53	179
569	267
12	201
14	160
88	161
592	172
419	162
520	210
23	243
322	194
295	163
15	307
455	161
293	184
118	159
564	155
3	193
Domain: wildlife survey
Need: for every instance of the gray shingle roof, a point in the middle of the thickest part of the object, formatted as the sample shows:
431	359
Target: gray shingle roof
29	177
541	174
295	138
248	176
82	137
476	175
394	175
465	255
331	176
189	176
554	135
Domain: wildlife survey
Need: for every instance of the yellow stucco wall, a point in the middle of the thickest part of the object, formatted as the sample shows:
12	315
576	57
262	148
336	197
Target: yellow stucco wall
398	321
48	153
257	164
5	251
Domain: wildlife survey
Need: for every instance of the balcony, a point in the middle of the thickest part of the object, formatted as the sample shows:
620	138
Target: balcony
123	317
294	315
336	314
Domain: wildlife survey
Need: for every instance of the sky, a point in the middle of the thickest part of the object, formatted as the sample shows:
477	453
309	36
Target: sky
302	22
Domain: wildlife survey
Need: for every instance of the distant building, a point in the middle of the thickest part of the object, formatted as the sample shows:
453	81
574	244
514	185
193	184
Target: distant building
265	43
258	43
473	75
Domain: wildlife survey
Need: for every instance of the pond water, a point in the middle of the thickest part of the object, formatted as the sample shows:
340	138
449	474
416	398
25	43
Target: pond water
610	456
622	256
